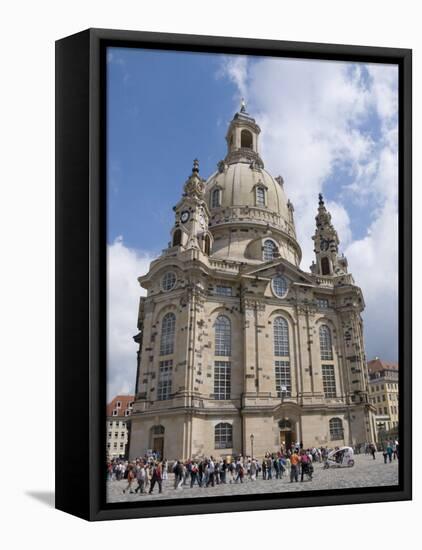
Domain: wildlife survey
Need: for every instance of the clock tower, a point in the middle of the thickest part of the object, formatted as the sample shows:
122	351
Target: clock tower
326	241
192	215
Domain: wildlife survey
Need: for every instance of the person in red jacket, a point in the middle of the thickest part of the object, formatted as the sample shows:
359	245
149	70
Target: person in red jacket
156	477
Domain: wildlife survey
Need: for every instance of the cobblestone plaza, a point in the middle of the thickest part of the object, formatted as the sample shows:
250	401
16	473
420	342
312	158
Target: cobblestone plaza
365	473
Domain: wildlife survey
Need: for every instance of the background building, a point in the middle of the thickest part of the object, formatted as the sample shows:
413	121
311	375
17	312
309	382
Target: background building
118	411
238	346
384	395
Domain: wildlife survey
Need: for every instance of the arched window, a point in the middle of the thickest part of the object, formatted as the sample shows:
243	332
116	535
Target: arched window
223	336
325	344
168	326
207	245
283	380
215	198
325	266
336	429
260	196
177	237
223	436
270	251
246	139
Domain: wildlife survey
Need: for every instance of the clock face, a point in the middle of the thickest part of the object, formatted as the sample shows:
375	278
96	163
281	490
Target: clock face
184	216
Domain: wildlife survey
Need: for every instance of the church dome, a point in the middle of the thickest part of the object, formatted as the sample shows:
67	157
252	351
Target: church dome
242	196
240	185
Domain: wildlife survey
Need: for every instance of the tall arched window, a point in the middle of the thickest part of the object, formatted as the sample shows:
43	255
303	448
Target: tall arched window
246	139
325	266
223	436
177	237
325	344
215	198
270	251
168	326
223	336
327	358
281	337
283	381
336	429
260	196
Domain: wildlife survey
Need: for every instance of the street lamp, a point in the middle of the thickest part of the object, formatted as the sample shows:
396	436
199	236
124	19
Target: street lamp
252	438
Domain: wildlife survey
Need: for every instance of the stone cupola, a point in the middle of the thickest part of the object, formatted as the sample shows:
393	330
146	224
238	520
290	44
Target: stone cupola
242	139
326	242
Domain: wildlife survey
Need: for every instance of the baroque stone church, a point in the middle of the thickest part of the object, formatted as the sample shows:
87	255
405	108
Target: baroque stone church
240	351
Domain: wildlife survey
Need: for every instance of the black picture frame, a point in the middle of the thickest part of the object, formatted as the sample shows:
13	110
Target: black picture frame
81	275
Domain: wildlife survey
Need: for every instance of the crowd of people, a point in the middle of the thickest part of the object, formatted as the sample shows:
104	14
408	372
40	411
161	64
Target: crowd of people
144	473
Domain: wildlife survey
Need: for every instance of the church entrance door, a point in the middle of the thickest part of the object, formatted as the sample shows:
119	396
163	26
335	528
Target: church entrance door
287	439
158	445
287	435
157	439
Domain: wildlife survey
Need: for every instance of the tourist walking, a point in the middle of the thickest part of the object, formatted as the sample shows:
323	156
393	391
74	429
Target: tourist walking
165	464
389	451
156	477
194	477
294	467
305	462
130	478
141	475
178	474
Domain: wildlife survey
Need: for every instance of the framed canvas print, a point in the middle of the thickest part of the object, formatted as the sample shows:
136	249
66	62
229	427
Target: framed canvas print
233	274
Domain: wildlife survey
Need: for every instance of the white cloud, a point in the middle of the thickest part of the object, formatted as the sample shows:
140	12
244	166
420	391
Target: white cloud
374	263
236	69
124	266
316	119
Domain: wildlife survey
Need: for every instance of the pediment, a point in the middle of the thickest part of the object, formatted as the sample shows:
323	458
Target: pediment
280	265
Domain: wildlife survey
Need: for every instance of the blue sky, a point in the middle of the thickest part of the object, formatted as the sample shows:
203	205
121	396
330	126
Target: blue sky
326	126
164	109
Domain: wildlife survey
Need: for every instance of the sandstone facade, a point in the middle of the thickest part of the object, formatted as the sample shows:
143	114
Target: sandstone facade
235	340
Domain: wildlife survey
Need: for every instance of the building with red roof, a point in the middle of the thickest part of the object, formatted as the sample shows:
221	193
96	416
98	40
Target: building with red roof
118	411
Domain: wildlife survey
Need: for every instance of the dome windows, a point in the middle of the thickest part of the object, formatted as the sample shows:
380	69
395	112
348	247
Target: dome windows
270	251
168	281
280	286
259	195
216	198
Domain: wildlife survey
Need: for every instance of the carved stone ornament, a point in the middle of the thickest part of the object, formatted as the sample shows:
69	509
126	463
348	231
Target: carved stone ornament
195	187
221	166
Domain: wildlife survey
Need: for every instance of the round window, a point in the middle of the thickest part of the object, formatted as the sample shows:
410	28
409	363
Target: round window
280	286
168	281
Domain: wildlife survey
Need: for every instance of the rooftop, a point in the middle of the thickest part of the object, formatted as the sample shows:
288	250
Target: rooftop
121	404
378	365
